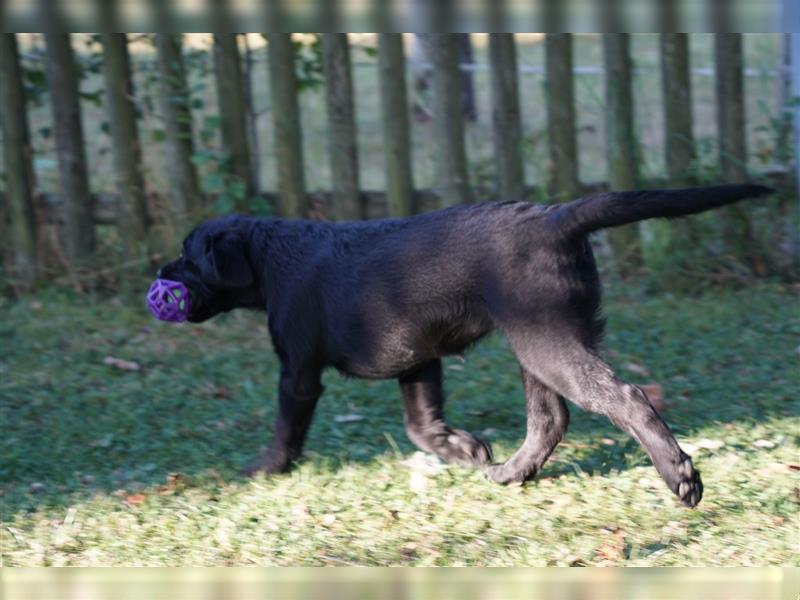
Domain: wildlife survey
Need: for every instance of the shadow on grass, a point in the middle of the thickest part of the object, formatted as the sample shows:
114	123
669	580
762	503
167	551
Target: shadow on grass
200	400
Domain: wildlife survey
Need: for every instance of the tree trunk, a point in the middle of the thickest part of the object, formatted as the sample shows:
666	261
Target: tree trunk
62	78
621	144
342	144
184	189
396	132
286	118
125	143
233	110
562	171
449	119
17	155
506	117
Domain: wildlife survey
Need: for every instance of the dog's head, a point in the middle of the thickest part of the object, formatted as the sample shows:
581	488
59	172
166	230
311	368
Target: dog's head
216	268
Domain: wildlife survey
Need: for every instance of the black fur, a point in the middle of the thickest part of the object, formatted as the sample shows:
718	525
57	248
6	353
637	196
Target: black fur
389	298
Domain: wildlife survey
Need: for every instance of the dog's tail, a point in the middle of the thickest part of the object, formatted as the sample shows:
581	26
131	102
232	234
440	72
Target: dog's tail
589	214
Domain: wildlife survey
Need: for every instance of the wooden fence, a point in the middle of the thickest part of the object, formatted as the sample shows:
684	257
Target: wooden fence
79	211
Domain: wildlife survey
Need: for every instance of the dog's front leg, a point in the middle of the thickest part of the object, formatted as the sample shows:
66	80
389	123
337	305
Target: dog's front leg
299	390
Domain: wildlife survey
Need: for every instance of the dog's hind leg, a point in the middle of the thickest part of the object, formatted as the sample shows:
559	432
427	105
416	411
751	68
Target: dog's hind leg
548	418
423	403
575	372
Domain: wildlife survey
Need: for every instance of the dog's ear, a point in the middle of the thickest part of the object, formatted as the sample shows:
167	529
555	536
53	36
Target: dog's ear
225	263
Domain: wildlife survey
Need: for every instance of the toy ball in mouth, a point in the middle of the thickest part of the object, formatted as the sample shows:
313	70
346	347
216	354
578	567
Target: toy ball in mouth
168	300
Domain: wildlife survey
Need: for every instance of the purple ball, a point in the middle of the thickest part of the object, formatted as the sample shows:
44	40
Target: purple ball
168	300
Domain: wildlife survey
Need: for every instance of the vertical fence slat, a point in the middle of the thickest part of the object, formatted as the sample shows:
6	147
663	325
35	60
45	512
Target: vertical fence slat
730	105
507	128
232	107
184	189
396	132
737	233
563	182
18	166
465	57
342	143
621	142
125	141
252	116
449	119
62	79
677	97
286	119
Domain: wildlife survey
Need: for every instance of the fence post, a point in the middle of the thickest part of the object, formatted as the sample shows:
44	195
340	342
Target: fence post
505	117
736	229
730	105
396	132
184	188
252	117
232	108
132	208
621	143
563	182
448	119
286	119
18	165
342	143
62	79
677	96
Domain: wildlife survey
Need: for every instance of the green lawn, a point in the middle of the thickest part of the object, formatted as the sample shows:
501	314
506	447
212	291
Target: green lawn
100	465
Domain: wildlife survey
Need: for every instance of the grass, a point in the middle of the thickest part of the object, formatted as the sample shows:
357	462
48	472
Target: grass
100	465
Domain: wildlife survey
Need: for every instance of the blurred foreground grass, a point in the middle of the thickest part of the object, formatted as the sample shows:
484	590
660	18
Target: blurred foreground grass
108	462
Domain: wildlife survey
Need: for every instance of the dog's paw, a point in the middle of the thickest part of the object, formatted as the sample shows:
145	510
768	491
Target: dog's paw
461	447
503	474
689	487
270	462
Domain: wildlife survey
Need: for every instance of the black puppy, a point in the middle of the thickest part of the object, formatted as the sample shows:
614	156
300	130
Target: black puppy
389	298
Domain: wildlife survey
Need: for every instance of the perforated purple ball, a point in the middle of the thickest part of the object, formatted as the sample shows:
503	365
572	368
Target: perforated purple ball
168	300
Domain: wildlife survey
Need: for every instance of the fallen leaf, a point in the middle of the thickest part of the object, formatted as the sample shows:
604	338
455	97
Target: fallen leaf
221	392
349	418
175	481
103	442
655	393
301	511
135	499
764	444
125	365
614	549
418	482
701	444
607	441
455	367
777	468
425	464
636	368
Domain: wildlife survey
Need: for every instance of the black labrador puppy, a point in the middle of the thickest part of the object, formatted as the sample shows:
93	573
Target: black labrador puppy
388	298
